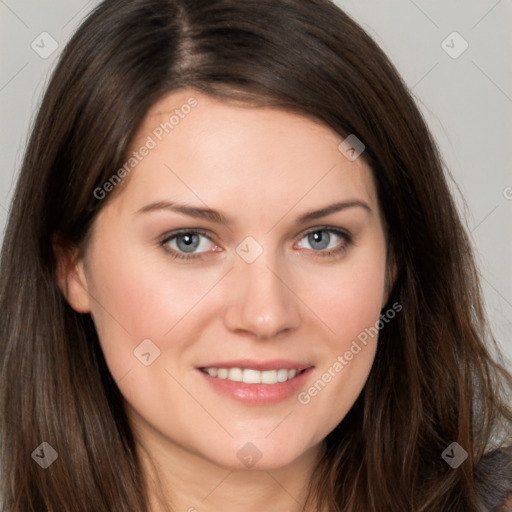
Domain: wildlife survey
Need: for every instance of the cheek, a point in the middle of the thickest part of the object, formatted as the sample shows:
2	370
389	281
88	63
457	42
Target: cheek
140	296
348	297
350	307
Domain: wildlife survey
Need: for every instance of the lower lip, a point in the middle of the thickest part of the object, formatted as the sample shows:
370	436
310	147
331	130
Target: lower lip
258	393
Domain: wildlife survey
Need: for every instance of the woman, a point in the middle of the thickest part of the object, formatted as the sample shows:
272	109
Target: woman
233	278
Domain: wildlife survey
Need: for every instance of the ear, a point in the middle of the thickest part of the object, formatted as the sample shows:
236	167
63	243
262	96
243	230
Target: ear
70	274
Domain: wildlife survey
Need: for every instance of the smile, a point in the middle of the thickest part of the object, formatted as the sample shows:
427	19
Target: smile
252	376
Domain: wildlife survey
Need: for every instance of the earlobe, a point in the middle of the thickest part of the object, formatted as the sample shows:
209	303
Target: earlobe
70	275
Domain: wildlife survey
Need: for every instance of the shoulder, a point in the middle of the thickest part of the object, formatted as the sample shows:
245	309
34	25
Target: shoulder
494	478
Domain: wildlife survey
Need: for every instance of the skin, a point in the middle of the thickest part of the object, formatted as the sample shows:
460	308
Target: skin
263	168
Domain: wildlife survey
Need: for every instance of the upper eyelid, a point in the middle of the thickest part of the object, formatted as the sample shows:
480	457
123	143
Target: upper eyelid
326	228
194	231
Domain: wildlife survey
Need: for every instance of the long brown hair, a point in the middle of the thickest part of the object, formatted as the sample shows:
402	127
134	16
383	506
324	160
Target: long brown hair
435	379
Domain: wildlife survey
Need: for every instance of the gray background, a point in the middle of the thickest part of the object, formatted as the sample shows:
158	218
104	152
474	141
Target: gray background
467	102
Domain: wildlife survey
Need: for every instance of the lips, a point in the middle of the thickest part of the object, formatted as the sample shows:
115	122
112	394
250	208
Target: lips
258	382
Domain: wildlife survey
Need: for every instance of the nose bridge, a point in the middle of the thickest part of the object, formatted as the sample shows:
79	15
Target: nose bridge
260	300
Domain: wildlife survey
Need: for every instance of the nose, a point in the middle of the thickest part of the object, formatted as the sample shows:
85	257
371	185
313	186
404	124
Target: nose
261	301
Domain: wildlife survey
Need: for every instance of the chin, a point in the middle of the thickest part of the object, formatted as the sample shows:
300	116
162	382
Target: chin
258	455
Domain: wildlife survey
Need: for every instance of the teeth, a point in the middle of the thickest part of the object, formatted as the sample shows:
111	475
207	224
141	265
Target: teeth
235	374
212	372
249	376
282	375
269	377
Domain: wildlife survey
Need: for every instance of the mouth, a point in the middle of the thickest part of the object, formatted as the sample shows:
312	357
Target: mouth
253	376
253	382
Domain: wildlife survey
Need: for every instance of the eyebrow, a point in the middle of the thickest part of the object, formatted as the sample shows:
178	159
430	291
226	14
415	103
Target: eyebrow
219	218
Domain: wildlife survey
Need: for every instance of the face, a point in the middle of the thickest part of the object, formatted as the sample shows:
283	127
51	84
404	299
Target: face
230	299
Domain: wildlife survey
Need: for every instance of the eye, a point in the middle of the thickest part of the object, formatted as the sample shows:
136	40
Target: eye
185	244
327	241
192	243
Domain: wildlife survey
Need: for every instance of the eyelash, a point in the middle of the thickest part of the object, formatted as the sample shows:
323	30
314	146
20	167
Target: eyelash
336	252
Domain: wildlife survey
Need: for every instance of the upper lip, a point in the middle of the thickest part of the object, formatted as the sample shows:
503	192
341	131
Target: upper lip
274	364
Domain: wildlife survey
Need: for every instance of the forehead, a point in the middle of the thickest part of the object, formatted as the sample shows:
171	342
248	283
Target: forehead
221	154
